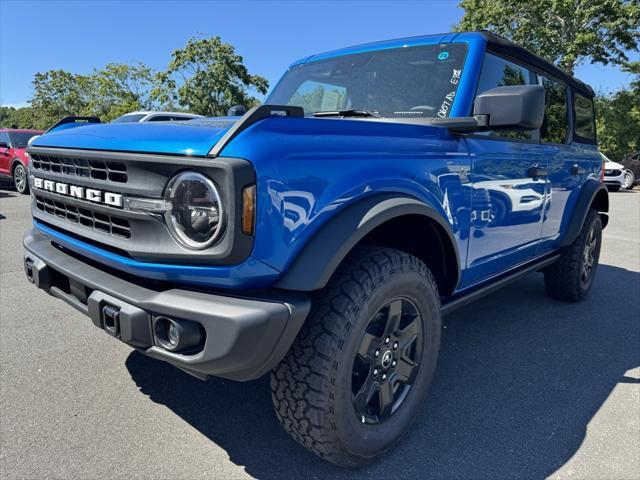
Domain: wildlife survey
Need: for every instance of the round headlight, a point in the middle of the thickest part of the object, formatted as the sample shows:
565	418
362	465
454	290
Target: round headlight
194	216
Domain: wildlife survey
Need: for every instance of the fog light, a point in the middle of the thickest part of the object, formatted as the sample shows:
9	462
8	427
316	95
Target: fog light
177	335
172	335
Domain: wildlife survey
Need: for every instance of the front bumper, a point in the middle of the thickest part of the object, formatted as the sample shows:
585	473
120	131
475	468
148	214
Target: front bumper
245	337
617	180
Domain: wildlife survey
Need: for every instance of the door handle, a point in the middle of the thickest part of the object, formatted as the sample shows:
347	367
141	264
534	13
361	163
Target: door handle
576	170
535	172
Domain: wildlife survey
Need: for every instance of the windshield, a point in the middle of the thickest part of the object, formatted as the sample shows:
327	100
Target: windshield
21	139
130	118
401	82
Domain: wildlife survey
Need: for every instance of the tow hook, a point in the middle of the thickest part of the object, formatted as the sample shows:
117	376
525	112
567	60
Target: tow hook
110	320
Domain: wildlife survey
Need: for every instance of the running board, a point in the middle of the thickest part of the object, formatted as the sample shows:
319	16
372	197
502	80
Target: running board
464	299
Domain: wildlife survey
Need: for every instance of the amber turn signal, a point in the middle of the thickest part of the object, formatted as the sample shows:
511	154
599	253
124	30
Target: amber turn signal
249	209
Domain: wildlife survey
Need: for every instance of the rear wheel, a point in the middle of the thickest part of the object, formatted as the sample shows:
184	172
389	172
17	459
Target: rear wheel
571	277
358	372
20	178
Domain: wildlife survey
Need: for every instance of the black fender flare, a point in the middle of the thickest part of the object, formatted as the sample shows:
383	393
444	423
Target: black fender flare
593	195
321	256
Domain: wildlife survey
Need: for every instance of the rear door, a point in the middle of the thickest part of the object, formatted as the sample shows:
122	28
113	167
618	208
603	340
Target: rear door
565	167
571	163
509	169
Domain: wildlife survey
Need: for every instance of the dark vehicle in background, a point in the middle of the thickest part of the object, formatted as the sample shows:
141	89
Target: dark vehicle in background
632	163
14	160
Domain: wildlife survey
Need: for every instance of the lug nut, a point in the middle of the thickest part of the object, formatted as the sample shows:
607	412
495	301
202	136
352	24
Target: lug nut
394	363
377	353
395	345
375	371
387	340
384	376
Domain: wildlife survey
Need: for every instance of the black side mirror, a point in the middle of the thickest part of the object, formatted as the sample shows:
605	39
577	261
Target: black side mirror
4	145
237	111
517	106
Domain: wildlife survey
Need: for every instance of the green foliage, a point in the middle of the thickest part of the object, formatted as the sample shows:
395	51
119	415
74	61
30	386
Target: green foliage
618	119
565	32
58	94
18	117
207	77
120	89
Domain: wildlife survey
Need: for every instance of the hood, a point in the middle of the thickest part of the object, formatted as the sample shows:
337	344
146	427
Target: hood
613	165
194	137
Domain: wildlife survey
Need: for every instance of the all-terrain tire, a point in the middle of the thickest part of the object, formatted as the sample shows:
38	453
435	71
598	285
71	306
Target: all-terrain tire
312	386
565	279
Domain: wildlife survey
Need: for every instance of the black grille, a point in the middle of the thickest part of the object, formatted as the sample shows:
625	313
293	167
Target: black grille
80	167
613	173
116	226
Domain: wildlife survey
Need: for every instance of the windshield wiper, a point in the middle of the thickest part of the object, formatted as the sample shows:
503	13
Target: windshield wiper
354	112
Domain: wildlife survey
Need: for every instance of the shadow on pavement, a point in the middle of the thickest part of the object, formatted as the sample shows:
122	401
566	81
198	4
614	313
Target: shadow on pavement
519	379
5	194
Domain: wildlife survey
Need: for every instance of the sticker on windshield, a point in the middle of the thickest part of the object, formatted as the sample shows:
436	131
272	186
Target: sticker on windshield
446	105
443	55
455	77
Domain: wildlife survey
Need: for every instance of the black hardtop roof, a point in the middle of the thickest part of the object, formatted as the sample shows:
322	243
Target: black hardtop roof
502	46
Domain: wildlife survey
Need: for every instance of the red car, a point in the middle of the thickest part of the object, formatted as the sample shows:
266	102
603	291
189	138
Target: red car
13	156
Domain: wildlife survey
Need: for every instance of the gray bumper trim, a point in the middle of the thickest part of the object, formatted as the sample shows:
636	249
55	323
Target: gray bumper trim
245	336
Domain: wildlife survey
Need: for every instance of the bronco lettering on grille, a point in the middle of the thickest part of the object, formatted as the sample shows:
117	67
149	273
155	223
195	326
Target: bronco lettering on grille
90	194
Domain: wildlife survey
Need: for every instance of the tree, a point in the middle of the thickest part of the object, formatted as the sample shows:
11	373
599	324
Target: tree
58	94
107	93
618	118
12	117
207	77
565	32
119	88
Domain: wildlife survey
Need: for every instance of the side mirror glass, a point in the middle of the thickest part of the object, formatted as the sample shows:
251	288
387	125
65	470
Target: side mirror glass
517	106
4	145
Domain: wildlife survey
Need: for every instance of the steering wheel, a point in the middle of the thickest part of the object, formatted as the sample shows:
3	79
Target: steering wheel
423	107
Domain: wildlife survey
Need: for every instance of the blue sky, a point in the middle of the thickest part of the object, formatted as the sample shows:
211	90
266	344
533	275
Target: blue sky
79	36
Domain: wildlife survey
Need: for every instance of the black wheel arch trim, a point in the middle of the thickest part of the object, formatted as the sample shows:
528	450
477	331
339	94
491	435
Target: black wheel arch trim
592	195
320	257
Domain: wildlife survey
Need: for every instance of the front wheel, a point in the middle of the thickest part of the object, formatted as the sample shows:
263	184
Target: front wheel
571	277
629	180
359	369
20	179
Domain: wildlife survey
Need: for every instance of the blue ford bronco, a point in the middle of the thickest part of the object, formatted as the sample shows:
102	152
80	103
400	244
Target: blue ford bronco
322	236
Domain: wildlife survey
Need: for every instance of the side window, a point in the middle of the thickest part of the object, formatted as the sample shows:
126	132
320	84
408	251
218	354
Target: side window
555	123
4	137
160	118
319	96
498	72
585	127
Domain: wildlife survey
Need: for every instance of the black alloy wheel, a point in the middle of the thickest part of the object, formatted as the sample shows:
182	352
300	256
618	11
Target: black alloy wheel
387	361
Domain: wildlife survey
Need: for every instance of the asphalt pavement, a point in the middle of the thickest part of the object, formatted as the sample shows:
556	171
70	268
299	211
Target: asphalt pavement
527	387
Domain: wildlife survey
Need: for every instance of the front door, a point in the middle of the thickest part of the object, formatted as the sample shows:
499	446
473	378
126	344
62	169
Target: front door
509	178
